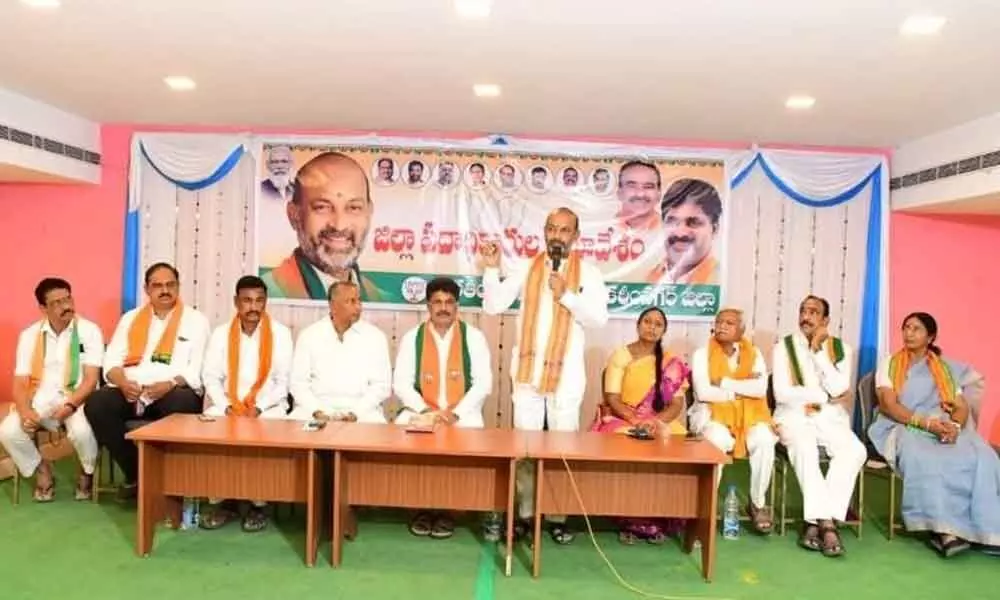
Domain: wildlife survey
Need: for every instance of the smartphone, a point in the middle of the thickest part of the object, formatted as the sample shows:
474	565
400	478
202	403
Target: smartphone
206	418
314	425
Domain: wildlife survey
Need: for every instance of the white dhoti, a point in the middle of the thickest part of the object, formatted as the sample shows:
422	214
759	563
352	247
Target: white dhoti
531	412
826	497
21	447
760	448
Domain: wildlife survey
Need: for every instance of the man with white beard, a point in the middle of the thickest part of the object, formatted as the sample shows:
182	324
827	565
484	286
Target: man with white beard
330	211
278	184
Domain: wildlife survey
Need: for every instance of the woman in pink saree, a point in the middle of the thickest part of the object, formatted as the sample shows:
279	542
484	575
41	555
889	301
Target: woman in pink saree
644	388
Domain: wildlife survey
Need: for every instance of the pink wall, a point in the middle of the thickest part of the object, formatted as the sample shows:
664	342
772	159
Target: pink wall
945	265
69	231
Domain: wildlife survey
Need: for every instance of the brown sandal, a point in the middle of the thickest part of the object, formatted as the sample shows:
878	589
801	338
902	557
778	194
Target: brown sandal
44	494
214	518
84	487
763	522
810	538
832	547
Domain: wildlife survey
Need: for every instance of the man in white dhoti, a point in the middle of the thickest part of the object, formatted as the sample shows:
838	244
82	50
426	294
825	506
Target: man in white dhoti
57	365
560	295
730	409
246	376
153	369
812	382
443	375
340	367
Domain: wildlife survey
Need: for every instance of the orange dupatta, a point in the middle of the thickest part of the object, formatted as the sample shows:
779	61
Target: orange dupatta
248	405
430	368
745	411
558	336
138	336
72	377
944	381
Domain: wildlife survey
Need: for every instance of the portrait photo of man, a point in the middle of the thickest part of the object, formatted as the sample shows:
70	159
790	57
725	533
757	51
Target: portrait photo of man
330	212
691	211
447	174
385	171
600	181
638	196
507	177
570	178
416	173
539	180
277	184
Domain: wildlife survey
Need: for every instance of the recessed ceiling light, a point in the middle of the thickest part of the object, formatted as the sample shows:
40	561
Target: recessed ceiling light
473	9
922	25
486	90
41	3
800	102
179	83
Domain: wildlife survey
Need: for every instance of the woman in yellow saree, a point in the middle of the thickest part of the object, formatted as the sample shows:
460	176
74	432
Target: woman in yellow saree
644	388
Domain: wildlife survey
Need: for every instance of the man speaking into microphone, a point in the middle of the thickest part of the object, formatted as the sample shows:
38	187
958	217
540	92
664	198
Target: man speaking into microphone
560	296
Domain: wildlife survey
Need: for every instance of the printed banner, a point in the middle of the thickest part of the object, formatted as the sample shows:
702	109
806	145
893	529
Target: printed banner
392	217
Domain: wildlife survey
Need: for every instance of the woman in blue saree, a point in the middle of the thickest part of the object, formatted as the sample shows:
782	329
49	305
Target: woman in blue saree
951	476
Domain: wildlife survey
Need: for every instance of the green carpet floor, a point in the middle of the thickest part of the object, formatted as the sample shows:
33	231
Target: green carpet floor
69	551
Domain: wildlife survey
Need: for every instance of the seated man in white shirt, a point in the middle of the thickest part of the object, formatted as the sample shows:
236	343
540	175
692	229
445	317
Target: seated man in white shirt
730	386
246	376
153	369
812	382
57	364
340	368
443	375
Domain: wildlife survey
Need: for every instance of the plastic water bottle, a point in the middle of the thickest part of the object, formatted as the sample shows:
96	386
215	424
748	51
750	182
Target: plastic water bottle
189	516
731	515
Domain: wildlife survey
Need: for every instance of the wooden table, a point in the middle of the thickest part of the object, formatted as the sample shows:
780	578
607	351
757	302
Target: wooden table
450	469
622	477
240	459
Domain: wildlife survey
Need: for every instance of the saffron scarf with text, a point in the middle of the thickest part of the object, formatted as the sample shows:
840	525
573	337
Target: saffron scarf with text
558	334
944	380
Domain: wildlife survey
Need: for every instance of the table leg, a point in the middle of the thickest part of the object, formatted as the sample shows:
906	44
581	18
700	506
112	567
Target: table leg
536	554
708	500
511	484
314	490
337	499
151	503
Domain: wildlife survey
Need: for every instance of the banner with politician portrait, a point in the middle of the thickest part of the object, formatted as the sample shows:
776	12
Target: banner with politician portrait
391	216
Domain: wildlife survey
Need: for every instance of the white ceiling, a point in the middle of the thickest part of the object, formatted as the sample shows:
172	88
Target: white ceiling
715	70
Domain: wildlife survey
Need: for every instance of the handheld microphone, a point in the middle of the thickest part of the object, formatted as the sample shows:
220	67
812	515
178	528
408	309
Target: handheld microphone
555	253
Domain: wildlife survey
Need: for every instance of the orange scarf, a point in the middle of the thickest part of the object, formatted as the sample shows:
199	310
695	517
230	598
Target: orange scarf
558	335
72	377
744	412
247	407
944	381
430	369
138	336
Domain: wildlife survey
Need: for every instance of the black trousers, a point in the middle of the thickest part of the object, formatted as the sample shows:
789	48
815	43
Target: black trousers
107	410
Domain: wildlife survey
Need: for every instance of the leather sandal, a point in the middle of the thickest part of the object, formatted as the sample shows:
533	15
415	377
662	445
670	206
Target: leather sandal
422	524
561	534
255	520
762	520
45	494
810	538
84	487
832	546
443	528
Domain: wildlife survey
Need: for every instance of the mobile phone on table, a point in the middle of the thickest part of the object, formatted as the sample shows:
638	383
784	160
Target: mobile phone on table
314	425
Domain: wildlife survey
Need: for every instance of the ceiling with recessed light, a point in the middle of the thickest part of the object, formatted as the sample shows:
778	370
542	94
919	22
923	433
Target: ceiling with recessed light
717	70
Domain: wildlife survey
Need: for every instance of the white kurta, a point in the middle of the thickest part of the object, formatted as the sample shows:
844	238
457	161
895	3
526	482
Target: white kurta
51	395
760	439
589	308
469	408
186	360
532	409
335	376
272	398
826	497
